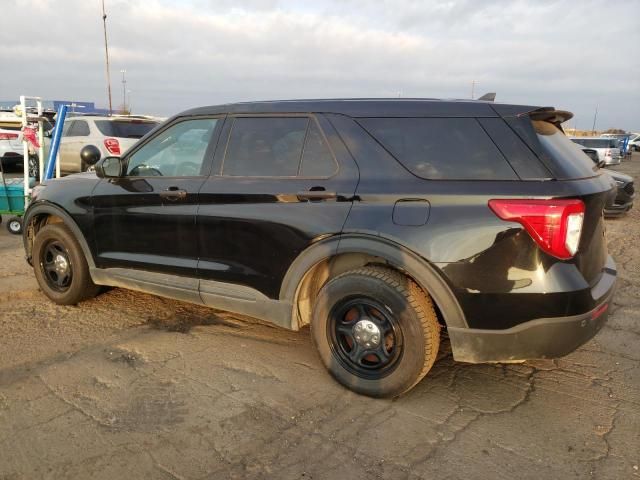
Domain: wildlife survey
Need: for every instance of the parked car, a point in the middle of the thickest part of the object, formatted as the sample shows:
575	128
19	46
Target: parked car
376	222
11	147
634	142
621	201
607	148
113	135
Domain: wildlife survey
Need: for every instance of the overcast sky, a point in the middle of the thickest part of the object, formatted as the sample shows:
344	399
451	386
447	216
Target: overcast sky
570	54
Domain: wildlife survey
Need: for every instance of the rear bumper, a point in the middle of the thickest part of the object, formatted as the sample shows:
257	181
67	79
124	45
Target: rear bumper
539	338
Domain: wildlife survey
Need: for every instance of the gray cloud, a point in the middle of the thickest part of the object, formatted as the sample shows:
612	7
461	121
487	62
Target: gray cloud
181	54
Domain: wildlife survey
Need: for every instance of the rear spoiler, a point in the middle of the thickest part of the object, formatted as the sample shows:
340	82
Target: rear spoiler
549	114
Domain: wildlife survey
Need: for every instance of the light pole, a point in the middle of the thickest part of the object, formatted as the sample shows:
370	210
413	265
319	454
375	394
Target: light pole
130	108
106	53
124	91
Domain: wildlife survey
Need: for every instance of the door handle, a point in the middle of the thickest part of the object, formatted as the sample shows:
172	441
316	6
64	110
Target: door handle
173	194
316	195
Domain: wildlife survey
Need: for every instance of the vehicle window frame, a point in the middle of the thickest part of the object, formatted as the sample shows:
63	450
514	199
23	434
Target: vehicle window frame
207	162
226	137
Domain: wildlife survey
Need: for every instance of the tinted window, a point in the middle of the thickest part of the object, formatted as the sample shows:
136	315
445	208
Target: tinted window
78	128
521	158
265	146
179	151
597	142
569	159
441	148
121	129
317	159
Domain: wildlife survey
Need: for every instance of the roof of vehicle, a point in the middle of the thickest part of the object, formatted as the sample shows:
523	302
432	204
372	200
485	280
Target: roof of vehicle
364	107
118	118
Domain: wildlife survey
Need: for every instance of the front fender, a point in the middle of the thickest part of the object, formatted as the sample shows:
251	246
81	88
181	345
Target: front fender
44	207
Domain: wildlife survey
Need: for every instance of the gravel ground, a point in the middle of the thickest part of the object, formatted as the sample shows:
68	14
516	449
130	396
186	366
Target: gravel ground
133	386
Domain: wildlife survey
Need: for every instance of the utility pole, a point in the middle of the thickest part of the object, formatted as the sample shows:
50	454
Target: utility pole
473	88
124	91
595	115
106	53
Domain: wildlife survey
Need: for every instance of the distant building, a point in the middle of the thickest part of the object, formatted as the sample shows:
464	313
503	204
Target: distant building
74	106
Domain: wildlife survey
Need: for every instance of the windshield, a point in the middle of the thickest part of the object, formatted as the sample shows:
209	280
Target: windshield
597	142
124	129
564	153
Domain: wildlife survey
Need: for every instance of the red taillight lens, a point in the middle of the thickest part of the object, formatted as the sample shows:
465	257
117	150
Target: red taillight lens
8	136
112	145
555	225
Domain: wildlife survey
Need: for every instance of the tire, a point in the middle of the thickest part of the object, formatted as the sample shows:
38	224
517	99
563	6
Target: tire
34	167
14	225
64	287
384	297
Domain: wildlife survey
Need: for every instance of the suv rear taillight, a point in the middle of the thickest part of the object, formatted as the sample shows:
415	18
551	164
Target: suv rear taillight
112	145
555	225
8	136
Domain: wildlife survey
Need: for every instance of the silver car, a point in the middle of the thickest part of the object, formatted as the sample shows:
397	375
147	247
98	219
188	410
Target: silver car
112	135
607	148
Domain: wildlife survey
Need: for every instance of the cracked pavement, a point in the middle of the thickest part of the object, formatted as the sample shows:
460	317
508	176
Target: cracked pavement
128	385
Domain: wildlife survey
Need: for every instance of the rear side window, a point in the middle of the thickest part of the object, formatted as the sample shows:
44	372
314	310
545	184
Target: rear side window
277	147
520	156
597	142
441	148
568	158
120	129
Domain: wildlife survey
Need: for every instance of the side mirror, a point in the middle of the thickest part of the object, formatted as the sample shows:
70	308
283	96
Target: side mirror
109	167
90	155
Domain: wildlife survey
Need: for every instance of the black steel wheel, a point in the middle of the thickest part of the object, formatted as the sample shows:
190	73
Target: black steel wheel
60	266
365	336
56	265
375	330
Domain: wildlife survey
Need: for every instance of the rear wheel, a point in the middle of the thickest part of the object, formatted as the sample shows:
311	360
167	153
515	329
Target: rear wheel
60	266
14	225
376	331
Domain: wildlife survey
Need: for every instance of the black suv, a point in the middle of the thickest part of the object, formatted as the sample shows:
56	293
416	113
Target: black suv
376	222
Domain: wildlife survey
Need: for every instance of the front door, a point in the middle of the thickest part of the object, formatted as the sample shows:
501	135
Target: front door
279	184
147	219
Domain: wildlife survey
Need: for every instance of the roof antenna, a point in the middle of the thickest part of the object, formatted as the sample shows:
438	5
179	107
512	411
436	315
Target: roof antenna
488	97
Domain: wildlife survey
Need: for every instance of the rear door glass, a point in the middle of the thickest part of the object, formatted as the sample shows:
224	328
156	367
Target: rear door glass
265	146
441	148
114	128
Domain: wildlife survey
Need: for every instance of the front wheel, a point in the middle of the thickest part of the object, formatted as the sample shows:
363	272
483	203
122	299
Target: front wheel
60	266
376	331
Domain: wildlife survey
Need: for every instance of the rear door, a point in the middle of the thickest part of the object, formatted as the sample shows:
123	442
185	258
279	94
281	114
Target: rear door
280	184
147	219
74	137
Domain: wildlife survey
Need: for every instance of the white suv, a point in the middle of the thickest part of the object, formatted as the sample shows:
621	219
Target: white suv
112	135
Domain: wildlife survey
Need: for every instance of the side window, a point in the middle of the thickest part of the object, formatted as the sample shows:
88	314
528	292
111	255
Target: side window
521	158
441	148
179	151
66	128
265	146
78	128
317	159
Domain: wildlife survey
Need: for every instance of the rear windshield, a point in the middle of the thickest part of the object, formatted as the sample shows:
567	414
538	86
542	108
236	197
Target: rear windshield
568	158
441	148
124	129
597	142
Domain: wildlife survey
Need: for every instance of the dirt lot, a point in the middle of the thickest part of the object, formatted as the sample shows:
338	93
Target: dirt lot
132	386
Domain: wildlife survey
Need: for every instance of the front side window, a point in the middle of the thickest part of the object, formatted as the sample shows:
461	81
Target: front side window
179	151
